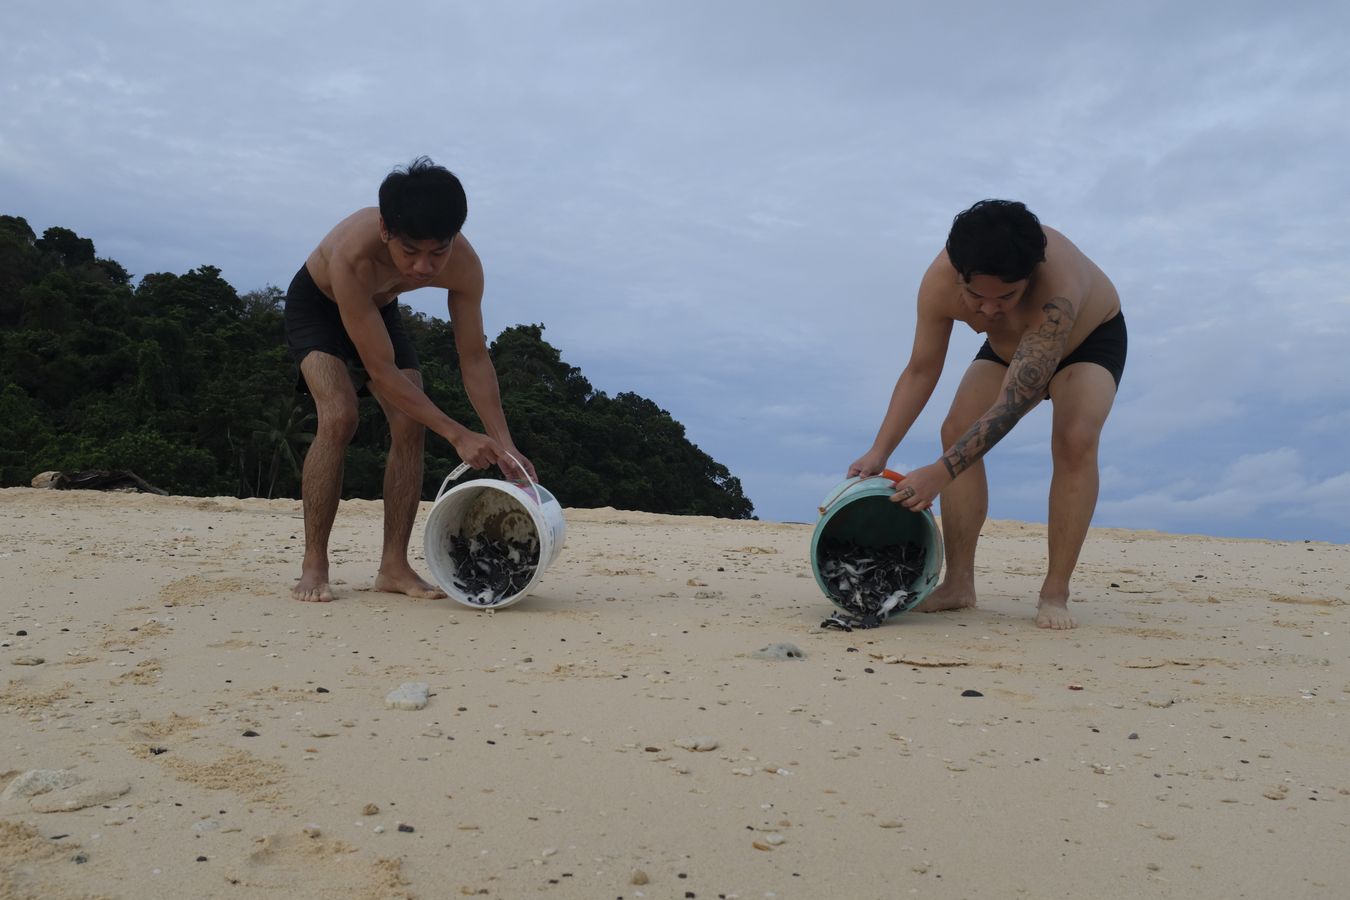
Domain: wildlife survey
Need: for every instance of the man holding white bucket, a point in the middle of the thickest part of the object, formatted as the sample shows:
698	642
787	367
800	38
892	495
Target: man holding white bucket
1054	331
342	316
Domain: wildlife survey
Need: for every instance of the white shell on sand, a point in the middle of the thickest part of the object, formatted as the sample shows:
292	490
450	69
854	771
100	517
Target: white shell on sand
409	695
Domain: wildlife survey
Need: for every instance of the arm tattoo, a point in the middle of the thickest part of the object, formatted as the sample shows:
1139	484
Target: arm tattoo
1029	373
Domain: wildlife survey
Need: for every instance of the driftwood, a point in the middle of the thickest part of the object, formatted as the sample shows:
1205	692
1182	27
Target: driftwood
97	480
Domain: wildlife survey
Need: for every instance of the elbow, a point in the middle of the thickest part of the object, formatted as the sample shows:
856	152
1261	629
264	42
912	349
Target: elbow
475	361
382	378
922	373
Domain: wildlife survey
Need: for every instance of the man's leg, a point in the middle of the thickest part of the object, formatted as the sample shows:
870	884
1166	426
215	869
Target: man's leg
1082	395
965	501
402	491
321	481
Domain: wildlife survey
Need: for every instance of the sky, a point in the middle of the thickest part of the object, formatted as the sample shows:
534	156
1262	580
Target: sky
727	206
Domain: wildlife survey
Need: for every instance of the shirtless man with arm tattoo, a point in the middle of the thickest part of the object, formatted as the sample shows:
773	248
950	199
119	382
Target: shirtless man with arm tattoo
1054	330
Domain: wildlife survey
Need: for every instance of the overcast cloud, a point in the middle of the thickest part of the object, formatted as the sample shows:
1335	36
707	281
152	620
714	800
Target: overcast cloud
727	207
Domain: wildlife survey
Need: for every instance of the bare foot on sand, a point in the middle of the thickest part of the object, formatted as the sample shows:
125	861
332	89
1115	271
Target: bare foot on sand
408	582
949	595
1053	612
313	588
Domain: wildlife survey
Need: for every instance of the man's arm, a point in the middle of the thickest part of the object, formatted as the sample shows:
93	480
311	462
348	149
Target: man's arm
480	377
932	332
1029	374
363	324
465	302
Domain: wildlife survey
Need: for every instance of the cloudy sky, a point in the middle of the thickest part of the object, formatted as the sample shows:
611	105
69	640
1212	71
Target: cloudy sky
727	206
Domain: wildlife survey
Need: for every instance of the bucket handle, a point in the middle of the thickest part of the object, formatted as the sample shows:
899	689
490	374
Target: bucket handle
464	467
889	474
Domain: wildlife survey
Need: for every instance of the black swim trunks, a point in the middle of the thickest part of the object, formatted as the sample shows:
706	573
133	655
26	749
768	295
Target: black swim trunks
1105	346
313	323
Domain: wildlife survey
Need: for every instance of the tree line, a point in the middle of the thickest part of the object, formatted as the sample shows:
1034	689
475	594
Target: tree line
187	383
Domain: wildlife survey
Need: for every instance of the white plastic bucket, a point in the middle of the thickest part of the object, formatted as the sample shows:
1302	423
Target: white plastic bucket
498	510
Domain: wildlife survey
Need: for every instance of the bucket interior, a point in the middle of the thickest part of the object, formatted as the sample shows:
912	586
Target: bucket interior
481	513
497	516
875	522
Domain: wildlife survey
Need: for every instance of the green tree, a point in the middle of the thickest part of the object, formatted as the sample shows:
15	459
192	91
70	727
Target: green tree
187	383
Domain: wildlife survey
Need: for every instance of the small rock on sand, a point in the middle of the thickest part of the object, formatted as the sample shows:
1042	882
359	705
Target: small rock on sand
409	695
697	744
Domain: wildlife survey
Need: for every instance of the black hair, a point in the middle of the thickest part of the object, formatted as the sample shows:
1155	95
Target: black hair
423	202
996	237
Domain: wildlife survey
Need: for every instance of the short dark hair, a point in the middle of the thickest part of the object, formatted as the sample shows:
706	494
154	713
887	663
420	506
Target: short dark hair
423	201
996	237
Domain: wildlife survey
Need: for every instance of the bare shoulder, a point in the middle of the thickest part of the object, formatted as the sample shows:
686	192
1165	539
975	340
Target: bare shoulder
1066	267
463	274
1068	272
348	252
937	289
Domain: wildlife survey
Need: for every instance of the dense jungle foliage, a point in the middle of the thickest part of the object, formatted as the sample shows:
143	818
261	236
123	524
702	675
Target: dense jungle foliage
187	383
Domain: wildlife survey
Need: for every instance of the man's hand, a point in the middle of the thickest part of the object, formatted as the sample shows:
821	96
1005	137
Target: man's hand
511	470
478	450
870	463
921	487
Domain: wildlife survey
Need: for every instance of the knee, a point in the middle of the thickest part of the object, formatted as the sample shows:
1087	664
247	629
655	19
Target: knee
953	428
338	424
1074	445
405	431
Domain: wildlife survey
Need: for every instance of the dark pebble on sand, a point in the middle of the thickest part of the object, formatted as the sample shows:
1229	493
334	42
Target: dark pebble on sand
321	690
250	733
21	633
79	859
156	751
971	694
406	829
201	859
1133	736
869	670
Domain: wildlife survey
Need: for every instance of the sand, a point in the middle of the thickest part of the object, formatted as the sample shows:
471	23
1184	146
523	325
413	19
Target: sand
614	735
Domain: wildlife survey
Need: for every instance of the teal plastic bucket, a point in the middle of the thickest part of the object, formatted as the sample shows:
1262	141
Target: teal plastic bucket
860	510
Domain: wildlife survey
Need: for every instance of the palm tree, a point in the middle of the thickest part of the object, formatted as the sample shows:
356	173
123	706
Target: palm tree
283	433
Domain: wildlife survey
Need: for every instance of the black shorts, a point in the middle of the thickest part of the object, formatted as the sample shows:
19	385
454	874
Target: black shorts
1105	346
313	323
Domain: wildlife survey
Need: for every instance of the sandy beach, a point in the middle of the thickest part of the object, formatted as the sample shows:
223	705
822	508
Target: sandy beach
614	734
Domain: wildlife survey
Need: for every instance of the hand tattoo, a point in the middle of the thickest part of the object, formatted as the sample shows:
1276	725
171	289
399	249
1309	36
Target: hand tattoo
1029	373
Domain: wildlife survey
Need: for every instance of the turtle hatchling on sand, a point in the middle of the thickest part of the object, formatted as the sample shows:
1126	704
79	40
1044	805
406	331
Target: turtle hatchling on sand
489	571
868	583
